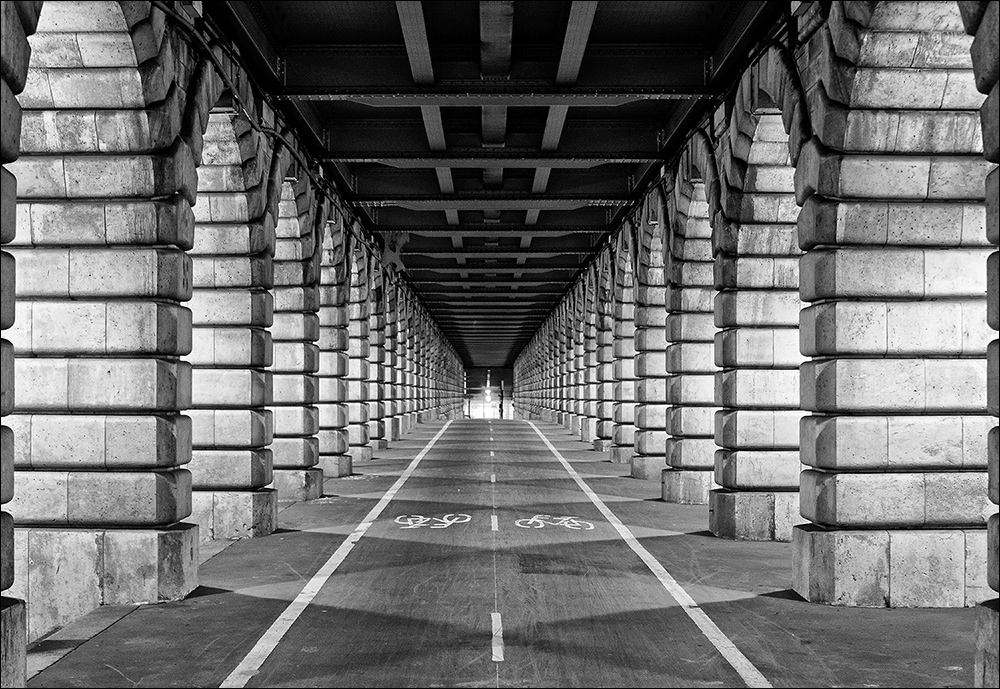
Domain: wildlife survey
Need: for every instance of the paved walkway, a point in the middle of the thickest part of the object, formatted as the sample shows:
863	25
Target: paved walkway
489	553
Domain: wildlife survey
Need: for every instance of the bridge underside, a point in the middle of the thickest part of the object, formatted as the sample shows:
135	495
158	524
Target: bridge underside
254	253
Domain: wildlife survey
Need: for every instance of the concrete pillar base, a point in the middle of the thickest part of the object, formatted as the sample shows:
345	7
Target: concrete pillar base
622	454
576	425
13	642
588	429
360	454
73	571
602	444
394	428
379	444
298	484
233	514
648	467
336	466
753	516
987	669
687	487
922	568
426	415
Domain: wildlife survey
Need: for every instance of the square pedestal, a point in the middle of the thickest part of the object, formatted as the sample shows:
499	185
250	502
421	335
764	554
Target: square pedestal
13	642
648	467
336	466
686	486
753	516
298	484
232	514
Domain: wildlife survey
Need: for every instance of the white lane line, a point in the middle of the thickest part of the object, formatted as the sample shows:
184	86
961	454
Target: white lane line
250	665
493	478
747	671
492	453
494	523
497	637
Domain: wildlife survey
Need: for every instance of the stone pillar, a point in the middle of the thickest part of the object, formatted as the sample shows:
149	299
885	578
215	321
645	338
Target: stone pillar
391	386
623	349
895	271
334	290
757	346
358	351
231	309
605	355
19	20
578	363
588	389
405	342
649	458
982	20
376	358
691	358
296	355
100	487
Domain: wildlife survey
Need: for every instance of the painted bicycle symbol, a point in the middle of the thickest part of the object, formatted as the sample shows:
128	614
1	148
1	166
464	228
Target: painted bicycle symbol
541	520
415	521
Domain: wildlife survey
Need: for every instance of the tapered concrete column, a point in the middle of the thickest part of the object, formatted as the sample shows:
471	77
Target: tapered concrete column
691	359
358	351
605	368
564	356
982	21
376	359
296	355
649	459
623	348
19	20
232	306
757	344
334	362
100	486
895	271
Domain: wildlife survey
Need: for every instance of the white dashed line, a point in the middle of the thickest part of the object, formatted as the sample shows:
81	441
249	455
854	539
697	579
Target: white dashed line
497	637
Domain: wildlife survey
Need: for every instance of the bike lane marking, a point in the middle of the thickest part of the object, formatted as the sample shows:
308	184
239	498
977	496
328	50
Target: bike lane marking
265	646
739	662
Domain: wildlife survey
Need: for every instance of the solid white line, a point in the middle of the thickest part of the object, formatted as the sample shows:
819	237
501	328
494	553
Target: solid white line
747	671
493	478
494	523
492	453
250	665
497	637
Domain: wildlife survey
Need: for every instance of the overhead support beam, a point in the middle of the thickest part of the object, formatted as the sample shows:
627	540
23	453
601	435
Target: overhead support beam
492	270
411	21
485	201
513	93
497	158
494	230
581	19
438	253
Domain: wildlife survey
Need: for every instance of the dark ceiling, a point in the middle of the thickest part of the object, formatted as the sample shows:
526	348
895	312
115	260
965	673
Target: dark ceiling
505	138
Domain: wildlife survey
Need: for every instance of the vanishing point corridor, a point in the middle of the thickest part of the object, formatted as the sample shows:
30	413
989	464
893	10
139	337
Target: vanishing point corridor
500	553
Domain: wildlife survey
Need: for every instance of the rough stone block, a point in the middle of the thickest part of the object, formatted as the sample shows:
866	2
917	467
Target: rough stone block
910	385
13	637
298	484
691	453
914	273
231	388
231	469
758	347
987	668
747	308
103	384
753	516
232	346
691	357
895	500
686	487
757	470
295	453
336	466
235	514
841	567
237	307
895	443
895	328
